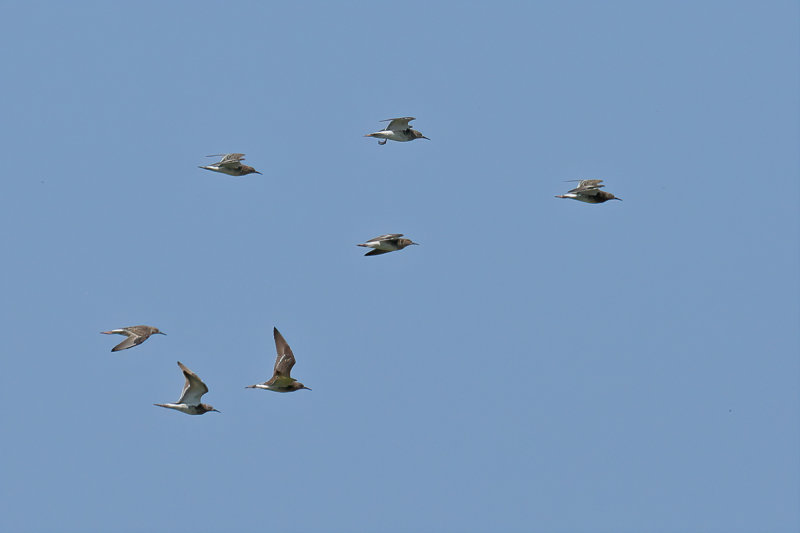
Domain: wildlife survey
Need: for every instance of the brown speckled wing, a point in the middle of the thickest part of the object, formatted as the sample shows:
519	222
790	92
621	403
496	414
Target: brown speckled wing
285	359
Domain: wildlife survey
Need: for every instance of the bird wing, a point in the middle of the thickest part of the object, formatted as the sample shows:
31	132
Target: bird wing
231	161
228	160
232	157
398	124
193	389
378	252
285	360
386	237
584	185
132	340
228	157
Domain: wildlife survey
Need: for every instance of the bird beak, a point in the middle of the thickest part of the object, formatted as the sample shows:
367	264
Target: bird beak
615	198
425	137
217	410
161	333
307	388
415	243
257	172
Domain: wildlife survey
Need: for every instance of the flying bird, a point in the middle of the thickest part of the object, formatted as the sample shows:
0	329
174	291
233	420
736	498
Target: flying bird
397	130
589	191
193	390
136	336
231	164
386	243
281	381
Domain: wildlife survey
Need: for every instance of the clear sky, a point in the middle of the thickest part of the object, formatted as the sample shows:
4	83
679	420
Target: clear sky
536	365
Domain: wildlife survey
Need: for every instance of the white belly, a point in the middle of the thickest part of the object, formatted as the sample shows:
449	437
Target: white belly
378	245
391	135
224	170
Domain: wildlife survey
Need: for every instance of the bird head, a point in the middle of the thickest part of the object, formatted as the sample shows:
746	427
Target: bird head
297	386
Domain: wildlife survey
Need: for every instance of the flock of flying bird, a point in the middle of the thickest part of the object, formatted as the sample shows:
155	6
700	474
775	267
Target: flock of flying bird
399	130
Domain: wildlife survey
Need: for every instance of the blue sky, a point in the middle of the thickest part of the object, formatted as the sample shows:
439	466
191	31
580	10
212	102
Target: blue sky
535	365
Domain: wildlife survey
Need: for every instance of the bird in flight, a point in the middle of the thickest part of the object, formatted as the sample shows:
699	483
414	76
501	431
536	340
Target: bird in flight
281	380
397	130
193	391
589	191
386	243
231	164
136	336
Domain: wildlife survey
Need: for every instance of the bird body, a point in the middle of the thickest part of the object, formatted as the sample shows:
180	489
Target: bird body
397	130
281	380
231	164
136	336
386	243
279	384
188	409
193	391
589	191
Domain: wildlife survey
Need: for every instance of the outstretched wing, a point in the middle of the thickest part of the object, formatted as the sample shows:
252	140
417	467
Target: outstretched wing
228	160
398	124
385	237
232	157
285	360
193	389
586	185
378	252
130	342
